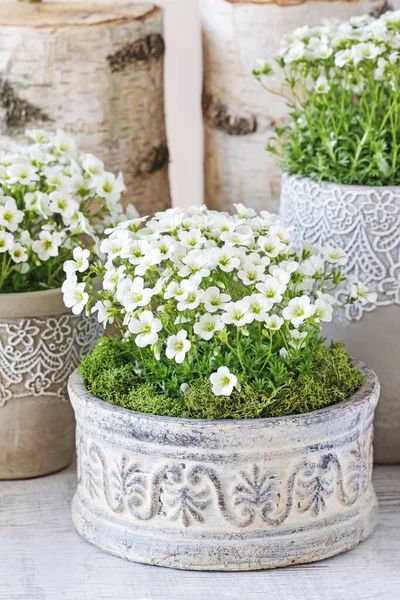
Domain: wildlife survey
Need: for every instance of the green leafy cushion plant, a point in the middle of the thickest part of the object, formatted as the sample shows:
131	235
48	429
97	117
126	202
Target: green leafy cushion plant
55	204
220	316
328	378
340	81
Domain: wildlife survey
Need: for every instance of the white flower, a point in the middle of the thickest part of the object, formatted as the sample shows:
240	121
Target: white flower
213	299
367	50
166	245
321	85
195	264
360	292
62	202
283	353
132	294
113	277
258	306
178	346
113	247
241	236
6	240
152	258
297	338
281	275
192	239
24	173
223	382
75	296
63	143
335	255
110	188
179	290
208	325
256	259
47	245
38	135
134	250
227	259
237	313
105	312
312	266
146	328
250	274
243	212
298	310
272	289
18	253
38	202
323	310
295	52
80	261
290	266
92	165
342	57
274	322
10	216
191	301
272	245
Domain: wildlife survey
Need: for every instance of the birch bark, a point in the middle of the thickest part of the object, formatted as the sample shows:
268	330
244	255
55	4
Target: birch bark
95	71
238	113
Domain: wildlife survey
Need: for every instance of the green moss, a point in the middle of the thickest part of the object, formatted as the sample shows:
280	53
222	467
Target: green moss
110	375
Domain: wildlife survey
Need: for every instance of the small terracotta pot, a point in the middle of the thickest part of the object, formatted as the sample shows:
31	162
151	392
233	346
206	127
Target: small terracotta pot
225	495
41	343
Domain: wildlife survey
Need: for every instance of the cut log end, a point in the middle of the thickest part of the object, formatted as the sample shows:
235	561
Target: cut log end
73	14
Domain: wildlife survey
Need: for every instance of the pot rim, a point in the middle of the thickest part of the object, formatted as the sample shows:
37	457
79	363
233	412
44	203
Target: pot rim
371	388
332	184
17	295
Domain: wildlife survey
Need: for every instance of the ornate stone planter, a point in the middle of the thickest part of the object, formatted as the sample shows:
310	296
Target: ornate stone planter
224	495
365	222
41	343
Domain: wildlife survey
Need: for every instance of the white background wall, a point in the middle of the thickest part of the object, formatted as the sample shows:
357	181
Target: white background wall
183	99
183	79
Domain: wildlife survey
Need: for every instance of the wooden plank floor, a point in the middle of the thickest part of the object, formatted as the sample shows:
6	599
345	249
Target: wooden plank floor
43	558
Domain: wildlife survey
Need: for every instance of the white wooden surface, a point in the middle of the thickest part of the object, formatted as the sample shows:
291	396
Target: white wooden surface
43	558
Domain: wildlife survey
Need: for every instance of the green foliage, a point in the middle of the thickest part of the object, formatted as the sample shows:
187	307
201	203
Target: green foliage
341	84
326	378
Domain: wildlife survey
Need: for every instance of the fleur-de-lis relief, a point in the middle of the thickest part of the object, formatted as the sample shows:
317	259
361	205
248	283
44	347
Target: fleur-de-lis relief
179	492
183	502
127	483
314	485
92	478
256	489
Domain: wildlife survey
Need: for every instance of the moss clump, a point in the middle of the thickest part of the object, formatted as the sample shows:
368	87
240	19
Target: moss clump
110	375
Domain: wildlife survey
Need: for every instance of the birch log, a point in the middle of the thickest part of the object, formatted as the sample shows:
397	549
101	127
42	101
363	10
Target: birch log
238	113
96	71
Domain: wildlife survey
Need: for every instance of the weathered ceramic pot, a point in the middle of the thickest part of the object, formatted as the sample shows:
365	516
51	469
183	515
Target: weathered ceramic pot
365	222
224	495
41	343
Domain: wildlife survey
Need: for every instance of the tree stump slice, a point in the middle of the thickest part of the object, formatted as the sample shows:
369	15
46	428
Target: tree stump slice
96	71
238	113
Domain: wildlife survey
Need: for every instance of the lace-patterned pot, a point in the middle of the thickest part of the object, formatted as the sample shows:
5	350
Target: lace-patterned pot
224	495
41	343
365	222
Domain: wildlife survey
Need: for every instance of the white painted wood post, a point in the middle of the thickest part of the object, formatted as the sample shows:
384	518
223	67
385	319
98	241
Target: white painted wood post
239	114
95	71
